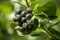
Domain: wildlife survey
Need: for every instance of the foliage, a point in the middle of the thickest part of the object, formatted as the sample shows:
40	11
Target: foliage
46	11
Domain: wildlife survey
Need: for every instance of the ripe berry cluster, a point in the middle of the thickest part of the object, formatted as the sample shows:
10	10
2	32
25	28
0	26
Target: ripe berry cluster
26	25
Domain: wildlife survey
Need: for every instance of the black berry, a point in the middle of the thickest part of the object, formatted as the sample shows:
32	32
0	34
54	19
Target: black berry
24	25
16	18
28	16
23	19
23	13
19	12
29	10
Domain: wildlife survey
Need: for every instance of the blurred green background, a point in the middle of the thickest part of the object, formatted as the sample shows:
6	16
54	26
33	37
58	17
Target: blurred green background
7	11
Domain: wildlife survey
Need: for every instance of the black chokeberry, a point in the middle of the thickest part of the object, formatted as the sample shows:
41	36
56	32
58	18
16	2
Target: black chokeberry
23	19
21	29
29	10
20	23
23	13
19	12
24	25
28	16
16	18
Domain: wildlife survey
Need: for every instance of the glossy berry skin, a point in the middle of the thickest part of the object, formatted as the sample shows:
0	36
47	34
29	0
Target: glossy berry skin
26	25
16	18
29	10
29	26
19	12
20	23
23	19
23	13
28	16
33	24
25	28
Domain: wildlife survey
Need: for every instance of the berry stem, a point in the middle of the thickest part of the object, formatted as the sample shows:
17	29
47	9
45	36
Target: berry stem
27	3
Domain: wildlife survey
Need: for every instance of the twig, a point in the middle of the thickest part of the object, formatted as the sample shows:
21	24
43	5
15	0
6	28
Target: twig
53	24
47	30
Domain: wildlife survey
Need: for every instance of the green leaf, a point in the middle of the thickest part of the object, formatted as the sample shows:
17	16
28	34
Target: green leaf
37	32
55	33
51	8
37	5
40	2
40	34
41	15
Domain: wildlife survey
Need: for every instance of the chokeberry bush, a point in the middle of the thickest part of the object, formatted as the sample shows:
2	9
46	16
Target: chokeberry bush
41	17
32	20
